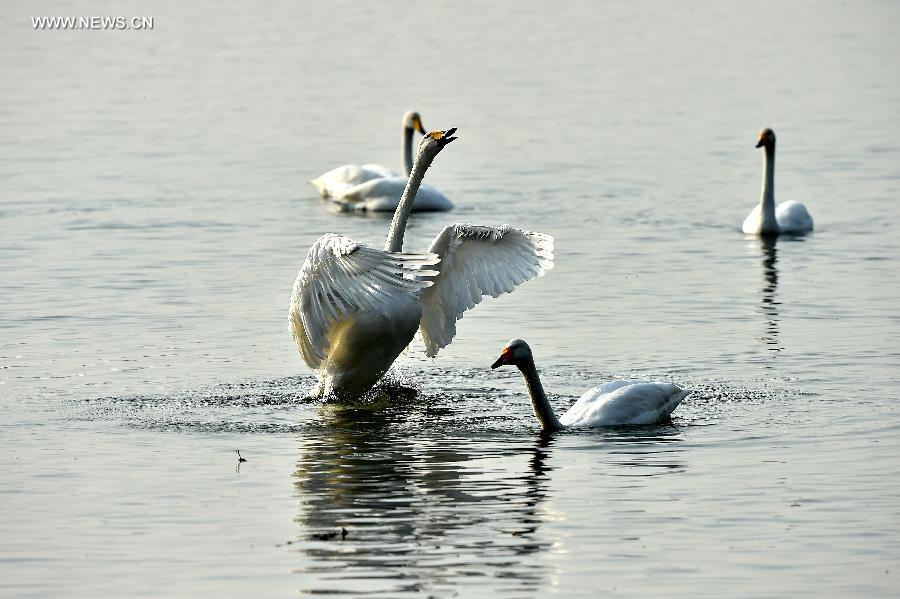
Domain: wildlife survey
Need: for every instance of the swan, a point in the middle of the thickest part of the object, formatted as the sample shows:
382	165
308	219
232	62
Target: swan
351	174
610	404
766	218
374	188
354	308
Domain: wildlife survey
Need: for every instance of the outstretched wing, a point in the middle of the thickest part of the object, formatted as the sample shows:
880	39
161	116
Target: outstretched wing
477	261
340	277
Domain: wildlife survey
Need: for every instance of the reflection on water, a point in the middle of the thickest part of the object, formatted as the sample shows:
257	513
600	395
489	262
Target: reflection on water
768	303
421	513
431	508
642	451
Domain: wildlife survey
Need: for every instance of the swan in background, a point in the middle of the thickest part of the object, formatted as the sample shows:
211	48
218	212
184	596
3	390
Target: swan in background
348	175
374	188
766	218
355	308
610	404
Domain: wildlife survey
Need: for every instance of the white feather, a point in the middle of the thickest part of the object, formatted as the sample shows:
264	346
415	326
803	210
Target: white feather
335	181
341	277
382	194
624	402
791	216
477	261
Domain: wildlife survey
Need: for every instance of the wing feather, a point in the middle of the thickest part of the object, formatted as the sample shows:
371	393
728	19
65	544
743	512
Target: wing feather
341	277
475	262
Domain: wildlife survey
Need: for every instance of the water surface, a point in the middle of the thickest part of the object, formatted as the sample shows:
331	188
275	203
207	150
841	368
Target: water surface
155	213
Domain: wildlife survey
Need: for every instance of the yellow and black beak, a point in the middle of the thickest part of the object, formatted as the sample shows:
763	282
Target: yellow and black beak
418	126
504	359
443	137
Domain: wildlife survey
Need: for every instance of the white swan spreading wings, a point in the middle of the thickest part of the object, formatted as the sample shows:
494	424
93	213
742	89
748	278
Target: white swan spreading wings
766	218
374	188
341	278
355	308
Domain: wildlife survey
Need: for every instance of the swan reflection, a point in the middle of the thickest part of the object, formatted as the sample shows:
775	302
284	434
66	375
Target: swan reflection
643	451
768	301
423	512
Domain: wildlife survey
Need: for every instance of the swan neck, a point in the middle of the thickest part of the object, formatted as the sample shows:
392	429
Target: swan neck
401	214
767	196
539	402
408	149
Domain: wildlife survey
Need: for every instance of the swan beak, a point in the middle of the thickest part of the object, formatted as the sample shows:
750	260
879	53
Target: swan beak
418	126
448	135
503	359
443	137
760	143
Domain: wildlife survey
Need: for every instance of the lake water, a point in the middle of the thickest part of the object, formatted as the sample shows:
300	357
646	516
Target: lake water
155	213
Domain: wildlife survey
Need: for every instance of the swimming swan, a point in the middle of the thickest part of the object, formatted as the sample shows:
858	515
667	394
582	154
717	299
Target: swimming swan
355	308
610	404
765	218
374	188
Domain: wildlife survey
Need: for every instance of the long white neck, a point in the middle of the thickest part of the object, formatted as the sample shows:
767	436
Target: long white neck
539	402
401	214
767	196
408	149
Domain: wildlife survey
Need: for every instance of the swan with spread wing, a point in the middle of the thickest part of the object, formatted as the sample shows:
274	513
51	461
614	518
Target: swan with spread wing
374	188
354	308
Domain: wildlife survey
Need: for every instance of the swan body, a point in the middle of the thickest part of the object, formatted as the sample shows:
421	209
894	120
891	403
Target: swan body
336	180
624	402
354	308
382	194
790	217
374	188
611	404
766	218
350	300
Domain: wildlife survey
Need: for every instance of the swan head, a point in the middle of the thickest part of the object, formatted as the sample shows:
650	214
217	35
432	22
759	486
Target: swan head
766	138
412	120
434	142
516	351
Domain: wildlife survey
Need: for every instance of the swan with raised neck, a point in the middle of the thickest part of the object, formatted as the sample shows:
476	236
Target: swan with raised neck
767	218
429	147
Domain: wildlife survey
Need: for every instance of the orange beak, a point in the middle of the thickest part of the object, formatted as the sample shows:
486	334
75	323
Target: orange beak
505	358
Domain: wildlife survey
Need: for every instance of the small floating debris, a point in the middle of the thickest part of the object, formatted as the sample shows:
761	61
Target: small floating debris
329	536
